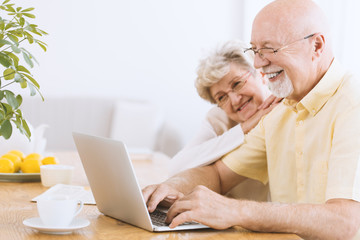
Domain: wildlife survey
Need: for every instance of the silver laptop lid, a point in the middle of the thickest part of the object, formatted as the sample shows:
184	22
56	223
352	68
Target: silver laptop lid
112	179
113	182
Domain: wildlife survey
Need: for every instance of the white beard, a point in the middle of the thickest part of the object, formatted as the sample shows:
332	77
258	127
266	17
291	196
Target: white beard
281	88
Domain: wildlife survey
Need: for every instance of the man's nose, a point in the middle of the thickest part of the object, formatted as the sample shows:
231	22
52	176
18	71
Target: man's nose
260	62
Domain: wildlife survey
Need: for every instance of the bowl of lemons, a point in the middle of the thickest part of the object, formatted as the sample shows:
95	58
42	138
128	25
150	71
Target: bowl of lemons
15	166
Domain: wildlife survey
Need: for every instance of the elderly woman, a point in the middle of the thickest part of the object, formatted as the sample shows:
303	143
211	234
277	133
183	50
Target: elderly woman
227	78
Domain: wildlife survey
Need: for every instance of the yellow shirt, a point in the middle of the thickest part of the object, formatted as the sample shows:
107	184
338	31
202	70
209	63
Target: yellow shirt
308	151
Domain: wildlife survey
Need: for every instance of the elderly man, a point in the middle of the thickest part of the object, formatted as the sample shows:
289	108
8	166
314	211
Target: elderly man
307	148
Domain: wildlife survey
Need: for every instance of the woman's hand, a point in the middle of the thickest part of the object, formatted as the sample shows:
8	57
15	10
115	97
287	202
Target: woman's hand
272	100
262	110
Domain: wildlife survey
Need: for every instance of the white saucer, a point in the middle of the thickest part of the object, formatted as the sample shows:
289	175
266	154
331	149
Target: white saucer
37	224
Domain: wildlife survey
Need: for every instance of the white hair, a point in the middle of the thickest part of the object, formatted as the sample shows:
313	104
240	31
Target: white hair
217	64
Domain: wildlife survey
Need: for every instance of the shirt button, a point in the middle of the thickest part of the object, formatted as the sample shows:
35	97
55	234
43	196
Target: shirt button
299	123
313	111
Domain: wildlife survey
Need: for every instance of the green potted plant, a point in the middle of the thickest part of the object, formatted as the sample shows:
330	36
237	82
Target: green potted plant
16	34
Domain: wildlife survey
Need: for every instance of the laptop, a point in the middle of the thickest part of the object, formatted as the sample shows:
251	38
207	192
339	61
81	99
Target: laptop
114	185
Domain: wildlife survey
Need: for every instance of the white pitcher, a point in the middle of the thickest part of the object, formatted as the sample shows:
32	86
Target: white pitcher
20	142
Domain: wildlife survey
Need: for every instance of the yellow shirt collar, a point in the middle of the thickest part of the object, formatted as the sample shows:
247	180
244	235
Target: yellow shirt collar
321	93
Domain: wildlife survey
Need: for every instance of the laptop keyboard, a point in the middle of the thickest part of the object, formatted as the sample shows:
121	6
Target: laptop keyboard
158	219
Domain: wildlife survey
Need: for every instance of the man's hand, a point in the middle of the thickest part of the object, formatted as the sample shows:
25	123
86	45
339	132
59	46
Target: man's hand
161	194
203	206
262	110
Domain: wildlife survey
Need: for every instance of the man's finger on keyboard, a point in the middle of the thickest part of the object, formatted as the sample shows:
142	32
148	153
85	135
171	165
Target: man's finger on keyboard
158	195
181	218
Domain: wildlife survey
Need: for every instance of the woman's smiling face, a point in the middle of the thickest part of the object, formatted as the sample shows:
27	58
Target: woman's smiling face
243	104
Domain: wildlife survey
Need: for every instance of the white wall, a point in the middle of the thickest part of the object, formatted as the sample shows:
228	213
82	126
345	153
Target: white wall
150	49
133	49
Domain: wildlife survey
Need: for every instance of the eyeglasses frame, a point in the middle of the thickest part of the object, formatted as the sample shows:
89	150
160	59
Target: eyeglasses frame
274	51
244	78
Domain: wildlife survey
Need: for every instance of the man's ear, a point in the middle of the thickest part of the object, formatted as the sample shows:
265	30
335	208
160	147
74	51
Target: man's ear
318	45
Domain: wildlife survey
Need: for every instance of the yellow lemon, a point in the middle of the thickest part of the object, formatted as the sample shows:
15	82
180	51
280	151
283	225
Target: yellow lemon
36	156
15	159
49	160
6	166
18	153
31	165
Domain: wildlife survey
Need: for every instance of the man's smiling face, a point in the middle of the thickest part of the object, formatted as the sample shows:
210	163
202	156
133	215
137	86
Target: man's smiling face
289	69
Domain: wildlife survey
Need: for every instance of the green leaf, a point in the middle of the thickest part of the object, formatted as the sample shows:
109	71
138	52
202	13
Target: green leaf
23	84
9	8
29	15
5	2
6	129
29	54
7	108
41	45
2	25
29	37
36	32
15	49
32	90
27	59
5	60
11	99
28	9
43	32
16	33
5	42
1	95
17	122
18	111
9	25
13	57
18	9
26	128
21	68
19	99
18	77
22	21
9	74
33	81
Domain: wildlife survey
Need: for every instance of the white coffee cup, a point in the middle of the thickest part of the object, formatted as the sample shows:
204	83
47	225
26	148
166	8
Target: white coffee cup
53	174
58	210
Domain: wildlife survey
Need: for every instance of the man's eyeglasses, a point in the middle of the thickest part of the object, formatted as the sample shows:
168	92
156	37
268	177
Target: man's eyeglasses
223	98
263	52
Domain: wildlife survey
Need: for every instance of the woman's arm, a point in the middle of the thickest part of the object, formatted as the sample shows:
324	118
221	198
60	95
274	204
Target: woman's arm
206	147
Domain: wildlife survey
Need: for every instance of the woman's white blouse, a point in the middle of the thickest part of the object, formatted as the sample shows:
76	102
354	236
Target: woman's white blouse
206	147
217	136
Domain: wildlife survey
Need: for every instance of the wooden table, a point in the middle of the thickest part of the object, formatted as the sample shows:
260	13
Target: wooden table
16	206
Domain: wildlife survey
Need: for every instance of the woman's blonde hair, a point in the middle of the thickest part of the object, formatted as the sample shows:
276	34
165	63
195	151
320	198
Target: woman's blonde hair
217	64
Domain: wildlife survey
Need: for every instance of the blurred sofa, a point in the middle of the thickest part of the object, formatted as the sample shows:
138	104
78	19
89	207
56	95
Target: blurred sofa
140	124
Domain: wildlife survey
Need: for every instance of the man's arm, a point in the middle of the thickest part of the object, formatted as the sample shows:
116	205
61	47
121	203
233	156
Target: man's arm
217	177
336	219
